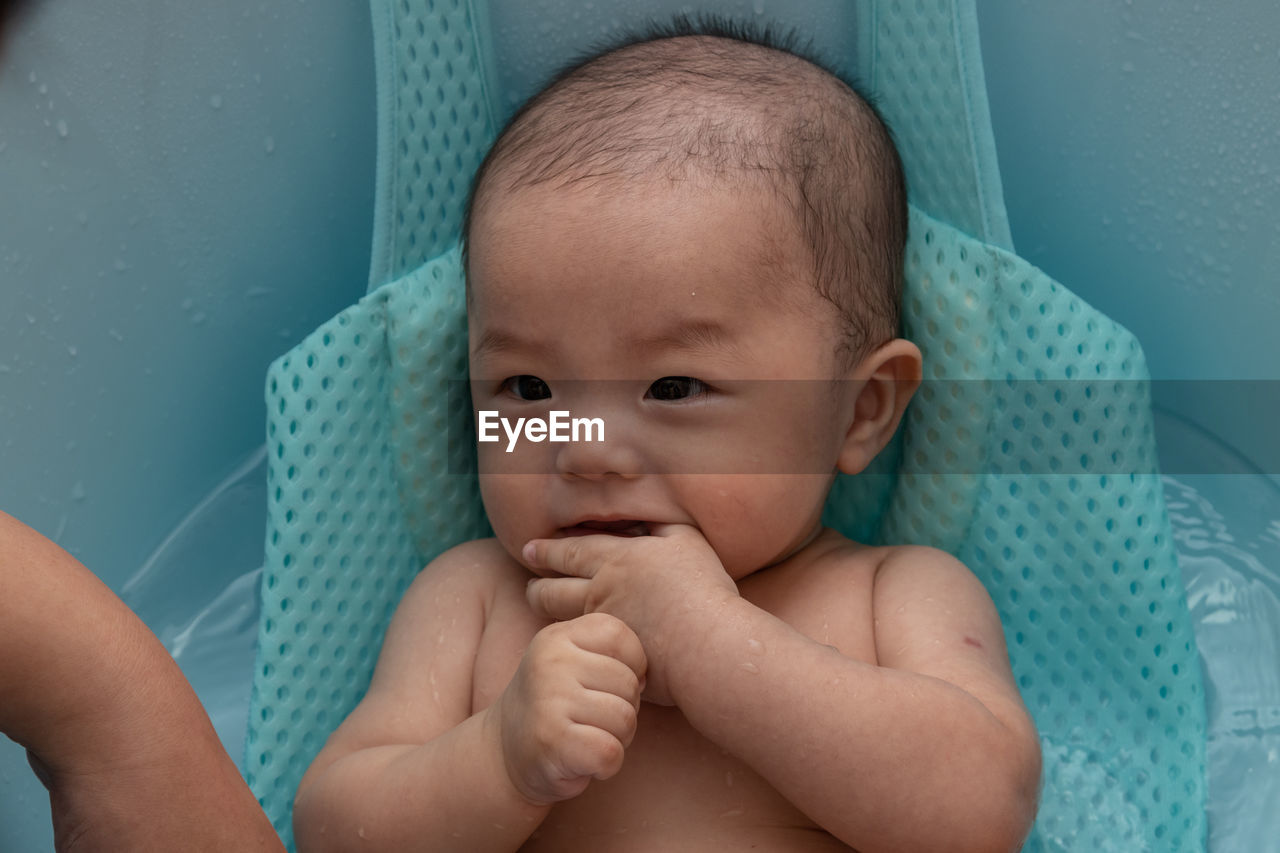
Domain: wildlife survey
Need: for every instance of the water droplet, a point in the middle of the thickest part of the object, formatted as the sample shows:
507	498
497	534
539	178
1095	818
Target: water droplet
759	7
216	102
750	667
755	646
72	351
78	492
269	144
62	129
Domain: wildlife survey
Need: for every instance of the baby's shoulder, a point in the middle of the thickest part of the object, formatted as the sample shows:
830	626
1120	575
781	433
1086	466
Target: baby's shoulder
921	569
478	571
835	567
894	572
912	606
840	558
823	591
479	560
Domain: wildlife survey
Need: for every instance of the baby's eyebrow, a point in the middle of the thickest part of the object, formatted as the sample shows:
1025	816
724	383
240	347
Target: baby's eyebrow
495	341
690	335
685	336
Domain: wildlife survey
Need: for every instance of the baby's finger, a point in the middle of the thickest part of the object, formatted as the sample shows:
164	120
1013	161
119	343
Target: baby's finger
617	678
615	642
592	752
608	712
573	556
561	599
669	530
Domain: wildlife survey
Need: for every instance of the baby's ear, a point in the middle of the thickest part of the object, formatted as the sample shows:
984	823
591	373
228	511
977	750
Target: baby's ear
883	382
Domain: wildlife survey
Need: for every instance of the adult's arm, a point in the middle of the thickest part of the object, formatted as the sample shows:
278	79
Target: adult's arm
111	726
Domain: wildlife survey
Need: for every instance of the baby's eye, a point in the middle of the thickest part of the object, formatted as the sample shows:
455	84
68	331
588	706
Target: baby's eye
526	387
670	388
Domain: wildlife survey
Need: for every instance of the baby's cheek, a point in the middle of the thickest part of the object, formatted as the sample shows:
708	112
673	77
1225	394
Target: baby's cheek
736	518
772	518
512	510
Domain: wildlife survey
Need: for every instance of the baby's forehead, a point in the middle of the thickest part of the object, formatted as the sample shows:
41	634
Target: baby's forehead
747	218
696	284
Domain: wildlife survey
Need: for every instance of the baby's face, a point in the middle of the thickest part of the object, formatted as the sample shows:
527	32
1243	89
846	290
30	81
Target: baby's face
685	321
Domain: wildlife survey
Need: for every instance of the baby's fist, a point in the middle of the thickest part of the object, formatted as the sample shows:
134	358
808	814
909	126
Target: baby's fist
569	713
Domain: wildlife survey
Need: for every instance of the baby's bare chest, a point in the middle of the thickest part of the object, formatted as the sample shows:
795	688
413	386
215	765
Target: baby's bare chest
678	790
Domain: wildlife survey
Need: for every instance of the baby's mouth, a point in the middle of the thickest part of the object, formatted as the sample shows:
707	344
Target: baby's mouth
620	527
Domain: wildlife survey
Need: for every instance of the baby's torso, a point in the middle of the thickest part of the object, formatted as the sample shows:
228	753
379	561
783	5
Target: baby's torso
677	790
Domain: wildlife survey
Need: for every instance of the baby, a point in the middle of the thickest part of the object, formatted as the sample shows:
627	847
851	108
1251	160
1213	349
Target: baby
696	240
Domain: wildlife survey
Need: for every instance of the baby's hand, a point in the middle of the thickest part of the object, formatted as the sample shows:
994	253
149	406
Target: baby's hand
666	587
569	712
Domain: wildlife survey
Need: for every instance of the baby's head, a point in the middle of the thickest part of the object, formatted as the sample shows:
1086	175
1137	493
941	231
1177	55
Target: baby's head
721	113
656	240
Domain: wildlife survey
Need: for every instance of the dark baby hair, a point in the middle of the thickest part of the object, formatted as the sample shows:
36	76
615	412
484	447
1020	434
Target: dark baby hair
710	98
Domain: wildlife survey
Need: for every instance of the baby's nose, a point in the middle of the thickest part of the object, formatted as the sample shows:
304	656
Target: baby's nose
600	454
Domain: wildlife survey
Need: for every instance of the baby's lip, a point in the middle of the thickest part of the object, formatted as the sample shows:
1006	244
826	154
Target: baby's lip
611	527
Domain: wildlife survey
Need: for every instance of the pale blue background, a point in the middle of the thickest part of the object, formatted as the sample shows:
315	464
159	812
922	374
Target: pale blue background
186	190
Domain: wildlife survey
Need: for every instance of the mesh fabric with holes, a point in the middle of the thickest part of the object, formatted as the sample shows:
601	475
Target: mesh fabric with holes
926	73
1028	453
435	123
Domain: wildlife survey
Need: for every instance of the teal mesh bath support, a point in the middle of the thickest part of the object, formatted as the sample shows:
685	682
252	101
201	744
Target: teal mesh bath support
1029	395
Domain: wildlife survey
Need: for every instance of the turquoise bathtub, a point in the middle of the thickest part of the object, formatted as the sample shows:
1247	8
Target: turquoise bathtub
185	193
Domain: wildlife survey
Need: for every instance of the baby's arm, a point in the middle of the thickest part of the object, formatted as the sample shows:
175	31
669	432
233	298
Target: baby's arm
413	767
931	749
114	731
